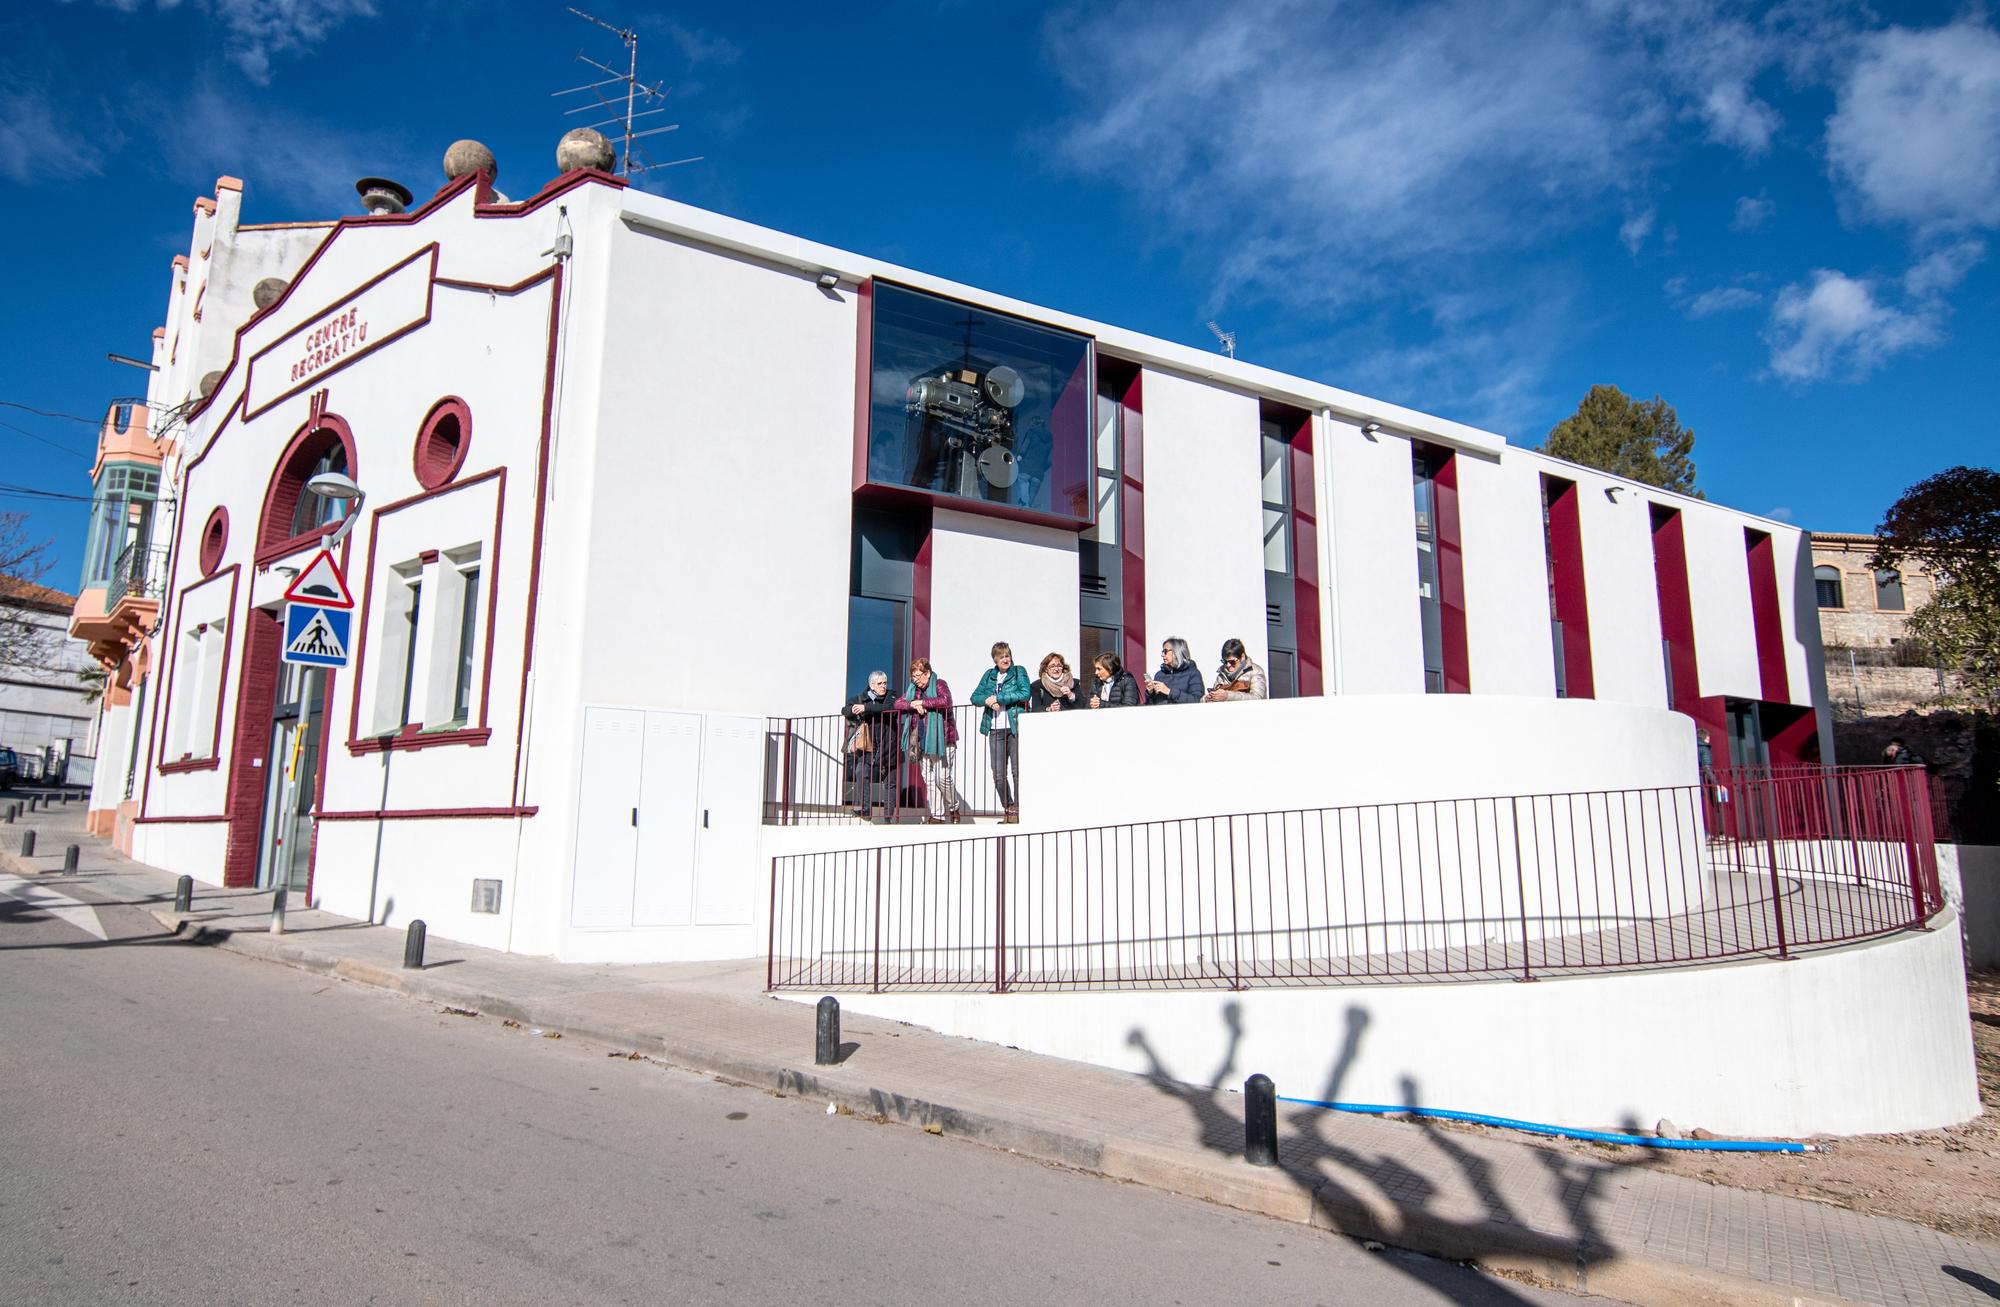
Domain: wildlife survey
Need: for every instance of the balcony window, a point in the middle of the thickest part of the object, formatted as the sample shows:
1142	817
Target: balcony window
976	406
121	516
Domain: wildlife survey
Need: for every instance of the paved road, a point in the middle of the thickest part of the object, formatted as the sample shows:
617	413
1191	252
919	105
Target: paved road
186	1126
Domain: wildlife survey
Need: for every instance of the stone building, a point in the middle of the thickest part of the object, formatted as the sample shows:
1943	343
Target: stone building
48	710
1862	606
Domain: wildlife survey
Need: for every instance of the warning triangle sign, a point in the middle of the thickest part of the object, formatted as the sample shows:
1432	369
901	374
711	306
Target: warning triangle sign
318	640
321	584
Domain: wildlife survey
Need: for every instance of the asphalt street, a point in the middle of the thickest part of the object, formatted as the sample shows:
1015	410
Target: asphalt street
188	1126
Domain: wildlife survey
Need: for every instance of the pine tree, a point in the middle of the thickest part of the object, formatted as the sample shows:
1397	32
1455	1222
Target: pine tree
1643	440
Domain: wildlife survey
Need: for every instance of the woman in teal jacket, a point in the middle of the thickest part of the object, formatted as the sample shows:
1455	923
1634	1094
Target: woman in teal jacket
1002	693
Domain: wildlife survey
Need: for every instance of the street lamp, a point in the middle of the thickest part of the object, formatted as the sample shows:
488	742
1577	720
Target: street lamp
338	486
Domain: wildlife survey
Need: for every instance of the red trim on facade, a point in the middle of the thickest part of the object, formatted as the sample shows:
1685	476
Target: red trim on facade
214	539
1791	734
1670	580
1566	581
412	738
920	600
429	814
178	821
925	500
427	557
1767	617
234	572
311	320
1451	574
535	540
356	742
263	641
864	359
1131	519
287	483
436	459
1305	561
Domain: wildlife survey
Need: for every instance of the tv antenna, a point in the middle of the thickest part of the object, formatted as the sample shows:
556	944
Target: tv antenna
1228	339
628	106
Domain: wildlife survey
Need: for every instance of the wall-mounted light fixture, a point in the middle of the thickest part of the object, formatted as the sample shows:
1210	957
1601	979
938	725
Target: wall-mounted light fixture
1612	492
829	280
1370	429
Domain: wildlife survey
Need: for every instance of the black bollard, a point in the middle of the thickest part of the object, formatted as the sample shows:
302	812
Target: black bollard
34	802
184	894
9	814
826	1032
1260	1121
27	844
70	856
278	897
413	946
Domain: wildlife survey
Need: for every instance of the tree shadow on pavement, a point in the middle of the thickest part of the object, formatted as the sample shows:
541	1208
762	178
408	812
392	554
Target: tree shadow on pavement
1348	1184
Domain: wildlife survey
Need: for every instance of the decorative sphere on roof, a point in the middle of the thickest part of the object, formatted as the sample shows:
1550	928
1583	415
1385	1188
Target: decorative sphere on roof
469	156
586	147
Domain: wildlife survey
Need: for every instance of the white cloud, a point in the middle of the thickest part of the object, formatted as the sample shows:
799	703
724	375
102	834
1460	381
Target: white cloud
1915	135
1779	514
1634	230
255	32
1943	269
1752	212
1362	139
1723	299
1838	327
36	146
309	165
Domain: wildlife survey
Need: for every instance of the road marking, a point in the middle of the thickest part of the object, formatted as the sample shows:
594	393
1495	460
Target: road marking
76	912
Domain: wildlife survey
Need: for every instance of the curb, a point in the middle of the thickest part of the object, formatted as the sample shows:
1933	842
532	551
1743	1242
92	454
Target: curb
1472	1235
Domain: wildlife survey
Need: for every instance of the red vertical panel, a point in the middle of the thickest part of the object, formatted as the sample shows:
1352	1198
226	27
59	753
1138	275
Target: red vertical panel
1132	521
864	358
1451	578
1670	581
1791	735
1766	617
1571	598
1305	561
920	599
249	769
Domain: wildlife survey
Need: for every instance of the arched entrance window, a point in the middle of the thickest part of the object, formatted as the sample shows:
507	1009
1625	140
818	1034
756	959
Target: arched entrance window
292	518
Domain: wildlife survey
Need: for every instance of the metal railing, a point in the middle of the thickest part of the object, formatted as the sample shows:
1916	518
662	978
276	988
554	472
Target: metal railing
139	573
812	775
1463	889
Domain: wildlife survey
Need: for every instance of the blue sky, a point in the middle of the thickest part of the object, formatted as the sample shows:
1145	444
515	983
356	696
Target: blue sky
1778	218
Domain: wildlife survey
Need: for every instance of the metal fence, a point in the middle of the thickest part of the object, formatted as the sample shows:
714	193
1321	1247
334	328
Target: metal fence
140	573
1480	888
815	773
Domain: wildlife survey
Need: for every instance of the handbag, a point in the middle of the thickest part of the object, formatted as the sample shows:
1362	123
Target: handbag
862	741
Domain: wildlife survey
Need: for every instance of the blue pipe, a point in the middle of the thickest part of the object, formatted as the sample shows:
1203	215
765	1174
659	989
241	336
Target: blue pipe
1568	1132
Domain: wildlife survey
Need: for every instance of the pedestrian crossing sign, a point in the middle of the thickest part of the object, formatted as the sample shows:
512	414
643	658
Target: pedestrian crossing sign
317	636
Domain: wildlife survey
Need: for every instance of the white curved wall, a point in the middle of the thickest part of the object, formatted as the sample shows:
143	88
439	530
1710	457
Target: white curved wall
1861	1040
1099	768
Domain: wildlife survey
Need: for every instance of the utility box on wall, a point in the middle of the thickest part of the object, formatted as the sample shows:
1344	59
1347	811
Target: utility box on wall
667	828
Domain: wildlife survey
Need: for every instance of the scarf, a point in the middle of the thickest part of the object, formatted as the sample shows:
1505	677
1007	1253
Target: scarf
927	732
1058	684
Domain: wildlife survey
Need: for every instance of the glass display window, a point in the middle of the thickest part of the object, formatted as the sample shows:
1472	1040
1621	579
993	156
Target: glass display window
969	404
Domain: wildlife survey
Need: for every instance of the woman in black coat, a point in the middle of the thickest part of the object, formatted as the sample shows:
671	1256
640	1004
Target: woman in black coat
1116	687
868	759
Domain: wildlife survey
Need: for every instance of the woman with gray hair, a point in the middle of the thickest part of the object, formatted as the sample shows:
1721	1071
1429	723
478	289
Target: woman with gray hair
869	750
1178	680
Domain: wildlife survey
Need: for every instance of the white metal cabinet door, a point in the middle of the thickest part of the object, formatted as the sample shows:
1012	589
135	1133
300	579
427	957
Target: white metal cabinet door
669	820
606	808
732	768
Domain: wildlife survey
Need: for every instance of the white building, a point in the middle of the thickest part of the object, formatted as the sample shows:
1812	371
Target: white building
640	476
47	711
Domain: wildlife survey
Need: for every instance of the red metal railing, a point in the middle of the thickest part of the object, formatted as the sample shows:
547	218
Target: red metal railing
1512	886
810	773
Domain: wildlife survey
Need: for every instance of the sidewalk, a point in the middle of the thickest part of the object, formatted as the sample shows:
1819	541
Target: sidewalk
1612	1226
